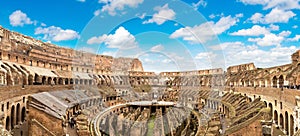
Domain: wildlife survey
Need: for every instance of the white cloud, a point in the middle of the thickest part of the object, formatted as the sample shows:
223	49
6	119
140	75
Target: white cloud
270	39
256	30
18	18
81	0
275	16
109	53
238	53
163	14
295	26
296	38
166	61
257	17
56	34
254	2
202	3
97	12
273	27
157	48
268	4
205	55
121	39
141	16
206	31
112	5
212	16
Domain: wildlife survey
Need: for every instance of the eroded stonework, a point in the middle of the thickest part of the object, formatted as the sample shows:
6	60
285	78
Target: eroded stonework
51	90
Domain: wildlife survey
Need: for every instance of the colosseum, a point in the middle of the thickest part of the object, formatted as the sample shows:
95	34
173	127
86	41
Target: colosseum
53	91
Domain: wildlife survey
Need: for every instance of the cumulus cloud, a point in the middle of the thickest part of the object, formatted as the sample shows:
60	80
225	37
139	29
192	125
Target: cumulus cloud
271	39
296	38
202	3
157	48
206	31
121	39
111	6
268	4
275	16
56	34
163	14
18	18
97	12
239	53
256	30
205	55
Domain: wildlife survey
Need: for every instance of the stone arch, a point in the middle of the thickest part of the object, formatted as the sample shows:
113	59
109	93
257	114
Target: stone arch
281	81
271	108
36	79
266	104
286	122
18	114
23	114
12	117
7	123
60	81
291	125
76	81
55	80
49	80
274	81
66	81
276	117
30	79
44	80
281	121
71	81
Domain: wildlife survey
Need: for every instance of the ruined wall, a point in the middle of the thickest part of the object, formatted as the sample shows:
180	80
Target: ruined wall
42	124
253	129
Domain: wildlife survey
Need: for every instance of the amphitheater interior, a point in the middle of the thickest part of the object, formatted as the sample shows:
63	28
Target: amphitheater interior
52	91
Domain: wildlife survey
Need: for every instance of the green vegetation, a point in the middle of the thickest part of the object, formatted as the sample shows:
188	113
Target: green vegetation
151	126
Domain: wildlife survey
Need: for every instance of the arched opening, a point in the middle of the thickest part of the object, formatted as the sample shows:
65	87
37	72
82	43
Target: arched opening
266	104
12	117
55	80
23	115
274	81
271	108
60	81
76	81
44	80
276	117
286	122
71	81
81	81
85	81
291	125
66	81
90	82
18	113
281	121
49	80
36	79
7	123
30	80
281	81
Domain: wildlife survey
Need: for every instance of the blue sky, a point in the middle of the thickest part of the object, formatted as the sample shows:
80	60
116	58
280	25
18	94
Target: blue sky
166	35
